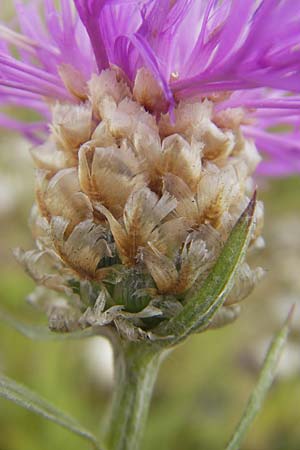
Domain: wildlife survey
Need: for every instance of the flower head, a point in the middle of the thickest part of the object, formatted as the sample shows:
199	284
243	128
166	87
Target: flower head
153	112
132	210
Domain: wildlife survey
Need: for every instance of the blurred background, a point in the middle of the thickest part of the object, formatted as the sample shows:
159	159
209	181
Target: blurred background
202	387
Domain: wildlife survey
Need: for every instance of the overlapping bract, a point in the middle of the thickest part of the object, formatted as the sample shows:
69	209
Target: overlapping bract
132	212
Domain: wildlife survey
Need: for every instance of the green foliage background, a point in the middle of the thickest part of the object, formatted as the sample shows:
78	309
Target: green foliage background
202	387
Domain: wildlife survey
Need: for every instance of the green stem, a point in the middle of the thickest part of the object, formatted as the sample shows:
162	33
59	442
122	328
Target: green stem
136	368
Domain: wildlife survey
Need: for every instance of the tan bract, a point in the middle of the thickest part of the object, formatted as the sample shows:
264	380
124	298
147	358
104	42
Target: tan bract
133	208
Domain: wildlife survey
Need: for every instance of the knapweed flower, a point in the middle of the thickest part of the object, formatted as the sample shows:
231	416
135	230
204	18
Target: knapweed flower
151	113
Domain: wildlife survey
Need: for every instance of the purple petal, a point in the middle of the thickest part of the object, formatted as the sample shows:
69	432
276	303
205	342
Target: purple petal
35	132
89	12
247	48
242	51
282	151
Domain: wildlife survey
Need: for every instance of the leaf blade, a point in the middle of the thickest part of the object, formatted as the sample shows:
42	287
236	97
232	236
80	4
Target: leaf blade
263	385
22	396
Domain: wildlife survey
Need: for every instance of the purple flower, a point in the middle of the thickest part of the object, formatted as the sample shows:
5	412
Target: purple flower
246	54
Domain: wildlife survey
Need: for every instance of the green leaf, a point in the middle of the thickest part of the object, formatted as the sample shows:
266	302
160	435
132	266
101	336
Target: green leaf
24	397
264	383
42	333
200	309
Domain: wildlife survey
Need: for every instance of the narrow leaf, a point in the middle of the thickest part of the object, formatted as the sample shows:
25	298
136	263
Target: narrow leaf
42	333
264	383
24	397
201	308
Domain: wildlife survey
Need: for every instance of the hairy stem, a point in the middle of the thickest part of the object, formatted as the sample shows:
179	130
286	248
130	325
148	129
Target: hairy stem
136	367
